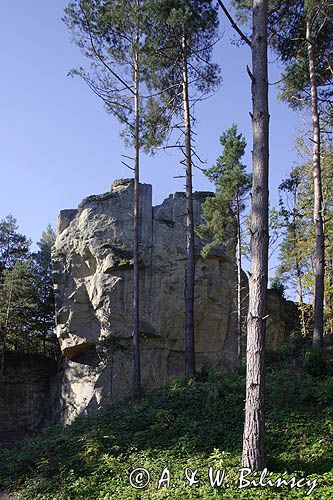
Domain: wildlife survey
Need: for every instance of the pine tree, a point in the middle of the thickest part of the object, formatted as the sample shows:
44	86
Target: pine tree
112	34
224	209
297	250
294	248
182	35
17	308
42	269
254	427
301	32
14	246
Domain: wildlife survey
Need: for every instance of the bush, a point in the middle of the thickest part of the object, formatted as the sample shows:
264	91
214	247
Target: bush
193	424
324	393
316	363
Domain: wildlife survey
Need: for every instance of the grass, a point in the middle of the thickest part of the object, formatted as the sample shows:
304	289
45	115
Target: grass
193	425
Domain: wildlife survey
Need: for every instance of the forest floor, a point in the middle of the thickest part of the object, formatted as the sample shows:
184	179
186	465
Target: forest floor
190	425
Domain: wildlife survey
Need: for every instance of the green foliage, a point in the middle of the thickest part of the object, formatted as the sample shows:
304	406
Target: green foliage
316	363
181	33
325	392
43	284
193	424
112	35
17	307
278	286
234	145
14	247
294	221
287	37
26	290
222	211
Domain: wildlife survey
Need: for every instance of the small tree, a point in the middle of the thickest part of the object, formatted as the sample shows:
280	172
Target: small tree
106	349
295	244
224	210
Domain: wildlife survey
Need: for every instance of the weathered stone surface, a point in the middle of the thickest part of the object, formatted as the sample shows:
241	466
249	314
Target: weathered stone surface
283	319
93	261
93	275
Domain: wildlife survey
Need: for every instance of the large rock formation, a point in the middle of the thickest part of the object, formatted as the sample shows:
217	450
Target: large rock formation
93	271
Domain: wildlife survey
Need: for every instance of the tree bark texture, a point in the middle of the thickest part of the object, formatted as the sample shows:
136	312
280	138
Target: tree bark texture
190	252
239	281
254	428
318	320
136	284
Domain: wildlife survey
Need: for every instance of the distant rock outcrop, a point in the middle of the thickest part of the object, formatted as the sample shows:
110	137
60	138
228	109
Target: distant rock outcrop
92	264
26	396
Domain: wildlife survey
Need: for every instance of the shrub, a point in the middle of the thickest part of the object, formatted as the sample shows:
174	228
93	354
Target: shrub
316	363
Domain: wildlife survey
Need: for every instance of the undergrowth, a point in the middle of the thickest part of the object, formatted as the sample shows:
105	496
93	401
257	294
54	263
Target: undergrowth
188	424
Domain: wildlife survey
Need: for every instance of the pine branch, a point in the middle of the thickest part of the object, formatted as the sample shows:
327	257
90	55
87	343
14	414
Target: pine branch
100	58
233	24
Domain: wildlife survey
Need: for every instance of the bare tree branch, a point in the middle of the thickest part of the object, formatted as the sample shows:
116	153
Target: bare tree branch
233	24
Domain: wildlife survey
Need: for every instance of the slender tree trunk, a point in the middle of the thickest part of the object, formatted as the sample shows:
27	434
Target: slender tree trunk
300	295
3	345
298	268
318	320
239	281
111	377
254	428
5	330
44	318
136	302
190	256
329	296
301	302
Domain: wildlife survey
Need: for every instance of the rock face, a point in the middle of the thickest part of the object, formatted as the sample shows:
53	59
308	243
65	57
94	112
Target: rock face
283	318
93	271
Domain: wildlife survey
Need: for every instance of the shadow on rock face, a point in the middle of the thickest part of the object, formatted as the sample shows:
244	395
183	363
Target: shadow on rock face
88	358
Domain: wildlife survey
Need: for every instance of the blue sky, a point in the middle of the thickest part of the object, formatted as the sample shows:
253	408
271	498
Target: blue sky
58	145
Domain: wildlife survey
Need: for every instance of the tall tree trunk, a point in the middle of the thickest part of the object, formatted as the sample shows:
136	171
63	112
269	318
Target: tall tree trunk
190	256
254	428
318	320
239	281
136	284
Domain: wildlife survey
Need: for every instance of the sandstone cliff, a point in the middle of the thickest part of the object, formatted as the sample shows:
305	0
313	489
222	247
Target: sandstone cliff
92	263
